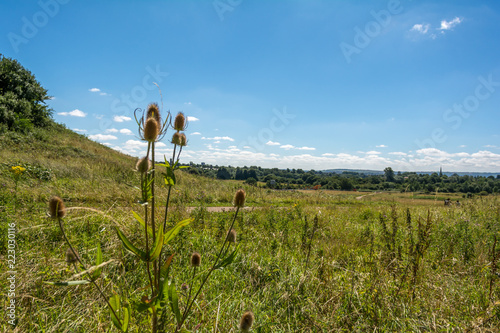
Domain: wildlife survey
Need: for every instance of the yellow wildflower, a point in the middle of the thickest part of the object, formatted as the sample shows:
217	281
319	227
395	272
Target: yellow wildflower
17	170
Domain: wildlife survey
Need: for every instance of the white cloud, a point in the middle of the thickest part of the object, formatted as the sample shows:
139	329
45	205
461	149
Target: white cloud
271	143
121	119
219	138
398	153
196	133
373	152
94	89
187	103
381	146
74	113
191	118
111	130
79	130
126	131
305	148
448	25
135	145
287	147
421	28
327	154
102	137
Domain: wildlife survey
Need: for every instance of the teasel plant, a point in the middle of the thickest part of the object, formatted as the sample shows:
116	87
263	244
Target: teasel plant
160	291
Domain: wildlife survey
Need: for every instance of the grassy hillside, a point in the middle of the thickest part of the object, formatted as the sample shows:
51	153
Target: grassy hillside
383	262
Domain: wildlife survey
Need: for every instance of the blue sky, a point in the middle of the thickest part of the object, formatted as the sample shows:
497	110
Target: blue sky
414	85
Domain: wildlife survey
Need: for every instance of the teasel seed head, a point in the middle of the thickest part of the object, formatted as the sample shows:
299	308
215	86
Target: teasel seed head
183	140
143	165
151	129
231	236
180	122
56	207
177	139
239	198
154	112
246	321
195	259
70	256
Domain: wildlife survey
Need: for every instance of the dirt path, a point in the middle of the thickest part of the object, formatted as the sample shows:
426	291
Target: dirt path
219	209
362	196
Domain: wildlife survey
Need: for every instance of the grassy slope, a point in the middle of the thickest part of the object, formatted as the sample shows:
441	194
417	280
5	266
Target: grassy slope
359	275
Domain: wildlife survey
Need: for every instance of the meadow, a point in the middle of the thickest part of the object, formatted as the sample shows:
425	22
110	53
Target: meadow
309	261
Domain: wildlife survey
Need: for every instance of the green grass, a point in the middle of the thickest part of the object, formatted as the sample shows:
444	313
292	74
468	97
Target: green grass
359	276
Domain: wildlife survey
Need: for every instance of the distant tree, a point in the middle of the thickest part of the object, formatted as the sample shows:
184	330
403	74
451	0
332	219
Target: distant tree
389	174
22	98
251	181
345	184
222	173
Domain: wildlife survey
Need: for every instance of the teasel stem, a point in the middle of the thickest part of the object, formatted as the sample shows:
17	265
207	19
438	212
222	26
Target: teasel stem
143	188
192	284
153	224
188	308
83	266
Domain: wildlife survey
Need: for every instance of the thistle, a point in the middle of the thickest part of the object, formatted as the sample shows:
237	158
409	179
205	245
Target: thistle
154	112
143	165
180	122
56	207
239	198
246	321
177	139
151	130
195	259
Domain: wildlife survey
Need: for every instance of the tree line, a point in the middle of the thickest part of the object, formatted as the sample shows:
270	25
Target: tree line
351	180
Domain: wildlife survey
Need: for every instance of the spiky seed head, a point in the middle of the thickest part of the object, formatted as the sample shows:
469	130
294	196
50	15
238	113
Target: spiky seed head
239	198
153	112
231	236
177	139
70	256
143	165
183	140
246	321
180	122
56	207
151	129
195	259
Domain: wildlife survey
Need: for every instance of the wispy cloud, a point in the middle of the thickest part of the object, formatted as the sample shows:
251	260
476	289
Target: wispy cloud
196	133
97	90
288	147
421	28
102	137
74	113
219	138
79	130
191	118
121	119
271	143
381	146
448	25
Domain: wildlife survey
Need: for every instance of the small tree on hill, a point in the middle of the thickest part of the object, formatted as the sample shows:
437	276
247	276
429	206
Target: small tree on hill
22	98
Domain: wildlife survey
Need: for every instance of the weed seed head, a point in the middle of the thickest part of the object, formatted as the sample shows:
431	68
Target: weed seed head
180	122
176	138
246	321
154	112
143	165
183	140
195	259
151	129
70	256
231	236
239	198
56	207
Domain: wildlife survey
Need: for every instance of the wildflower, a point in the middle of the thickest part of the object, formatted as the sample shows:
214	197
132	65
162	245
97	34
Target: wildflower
151	129
180	122
71	257
17	170
195	259
143	165
246	321
56	207
239	198
231	236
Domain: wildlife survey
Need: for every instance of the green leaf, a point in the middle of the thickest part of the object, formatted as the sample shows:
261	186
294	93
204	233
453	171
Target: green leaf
98	271
126	317
114	301
129	246
174	301
67	283
229	259
184	167
142	223
175	230
164	270
157	246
